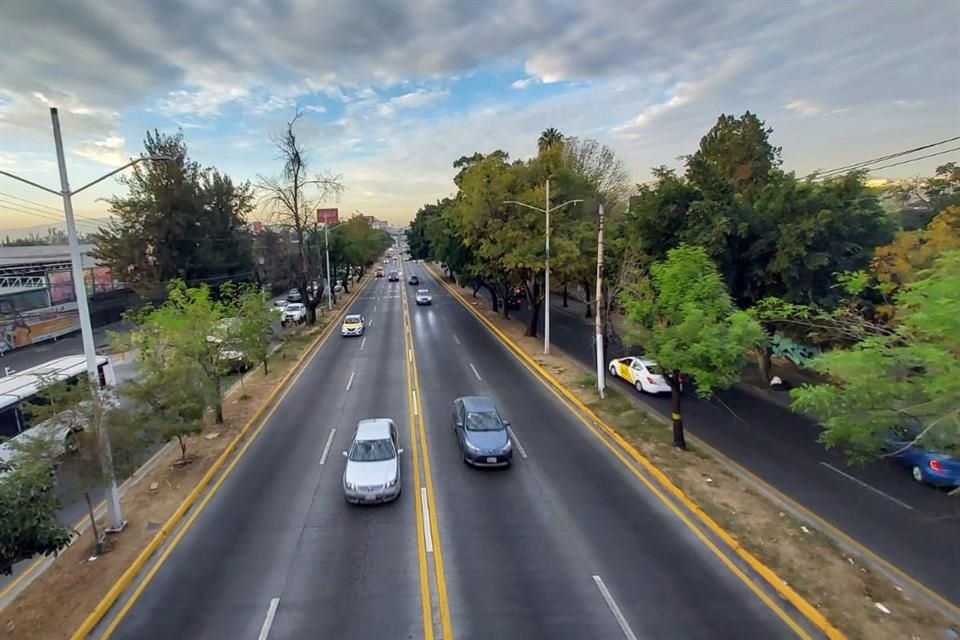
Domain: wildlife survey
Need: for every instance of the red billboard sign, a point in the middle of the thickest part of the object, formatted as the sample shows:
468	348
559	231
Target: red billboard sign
328	216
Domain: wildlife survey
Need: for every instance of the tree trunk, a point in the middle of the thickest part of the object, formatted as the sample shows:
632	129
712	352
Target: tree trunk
98	547
534	316
565	296
219	406
587	300
183	447
678	440
764	363
266	369
494	298
476	287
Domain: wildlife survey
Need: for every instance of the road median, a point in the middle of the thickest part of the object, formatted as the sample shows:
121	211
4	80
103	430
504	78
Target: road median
76	592
831	589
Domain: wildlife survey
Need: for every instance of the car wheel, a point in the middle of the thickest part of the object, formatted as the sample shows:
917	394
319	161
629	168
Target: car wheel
613	370
639	386
917	473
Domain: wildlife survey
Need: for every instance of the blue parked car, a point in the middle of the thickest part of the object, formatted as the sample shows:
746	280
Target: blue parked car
926	465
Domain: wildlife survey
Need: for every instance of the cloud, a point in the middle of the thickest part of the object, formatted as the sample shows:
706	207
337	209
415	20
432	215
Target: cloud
413	100
909	104
316	108
200	102
8	160
804	108
523	83
110	151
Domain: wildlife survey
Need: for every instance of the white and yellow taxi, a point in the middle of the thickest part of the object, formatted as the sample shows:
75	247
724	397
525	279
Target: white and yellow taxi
643	374
352	325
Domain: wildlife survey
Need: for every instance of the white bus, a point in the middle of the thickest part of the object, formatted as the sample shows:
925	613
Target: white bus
19	389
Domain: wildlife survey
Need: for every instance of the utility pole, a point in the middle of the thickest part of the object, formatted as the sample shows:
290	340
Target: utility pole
546	281
117	523
326	241
598	312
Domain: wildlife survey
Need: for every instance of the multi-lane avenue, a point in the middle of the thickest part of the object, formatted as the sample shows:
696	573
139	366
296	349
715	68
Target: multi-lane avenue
565	544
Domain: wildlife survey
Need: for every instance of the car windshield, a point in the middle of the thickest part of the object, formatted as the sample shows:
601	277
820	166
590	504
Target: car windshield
653	369
423	292
372	450
294	307
352	319
484	421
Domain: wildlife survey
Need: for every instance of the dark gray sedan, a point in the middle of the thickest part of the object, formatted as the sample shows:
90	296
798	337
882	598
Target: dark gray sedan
481	432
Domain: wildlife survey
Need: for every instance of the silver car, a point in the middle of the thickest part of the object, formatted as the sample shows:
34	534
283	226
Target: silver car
372	473
424	297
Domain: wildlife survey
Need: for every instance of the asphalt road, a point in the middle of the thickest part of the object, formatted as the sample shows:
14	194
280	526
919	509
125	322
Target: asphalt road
547	549
915	527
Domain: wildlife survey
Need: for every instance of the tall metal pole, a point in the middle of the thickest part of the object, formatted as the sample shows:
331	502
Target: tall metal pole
546	311
326	240
598	312
86	328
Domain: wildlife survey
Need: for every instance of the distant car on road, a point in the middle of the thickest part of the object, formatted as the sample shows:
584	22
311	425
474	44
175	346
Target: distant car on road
414	280
279	305
926	465
424	297
481	432
353	325
641	373
372	473
394	276
379	273
295	313
514	299
294	296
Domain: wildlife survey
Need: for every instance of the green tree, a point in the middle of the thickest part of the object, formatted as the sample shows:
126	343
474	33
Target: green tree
182	335
904	382
549	139
683	316
28	514
253	329
177	220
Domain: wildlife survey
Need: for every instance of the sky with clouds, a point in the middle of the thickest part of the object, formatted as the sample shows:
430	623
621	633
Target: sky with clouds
394	91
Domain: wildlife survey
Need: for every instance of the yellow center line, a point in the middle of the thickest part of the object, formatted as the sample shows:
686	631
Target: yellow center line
446	623
425	605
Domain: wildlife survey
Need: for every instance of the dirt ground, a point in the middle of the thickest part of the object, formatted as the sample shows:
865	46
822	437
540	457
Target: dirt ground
846	592
57	601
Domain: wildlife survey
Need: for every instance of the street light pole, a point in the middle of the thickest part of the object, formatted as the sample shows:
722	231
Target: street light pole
598	312
117	522
546	279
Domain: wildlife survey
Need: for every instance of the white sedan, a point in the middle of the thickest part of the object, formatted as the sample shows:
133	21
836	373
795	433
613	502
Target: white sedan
643	374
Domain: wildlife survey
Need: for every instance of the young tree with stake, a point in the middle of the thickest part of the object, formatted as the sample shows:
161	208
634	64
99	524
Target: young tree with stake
682	314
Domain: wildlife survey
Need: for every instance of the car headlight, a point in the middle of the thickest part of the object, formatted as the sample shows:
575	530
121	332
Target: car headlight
471	446
349	486
508	446
394	482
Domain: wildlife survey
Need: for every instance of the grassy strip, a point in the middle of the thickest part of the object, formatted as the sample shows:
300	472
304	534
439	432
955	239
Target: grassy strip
58	600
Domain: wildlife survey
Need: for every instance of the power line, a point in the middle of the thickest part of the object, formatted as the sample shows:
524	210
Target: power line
863	164
929	155
34	202
58	213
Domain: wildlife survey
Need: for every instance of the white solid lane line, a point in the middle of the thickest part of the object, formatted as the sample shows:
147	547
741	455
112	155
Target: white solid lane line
513	436
427	536
374	308
627	631
350	381
867	486
456	339
326	448
268	622
475	372
363	342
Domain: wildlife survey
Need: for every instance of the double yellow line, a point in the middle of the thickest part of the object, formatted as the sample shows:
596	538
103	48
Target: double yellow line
418	448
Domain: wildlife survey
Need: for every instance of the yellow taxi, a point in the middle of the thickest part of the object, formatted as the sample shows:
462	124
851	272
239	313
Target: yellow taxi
352	325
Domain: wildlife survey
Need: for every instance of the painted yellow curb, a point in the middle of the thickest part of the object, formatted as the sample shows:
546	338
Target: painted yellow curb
107	602
779	585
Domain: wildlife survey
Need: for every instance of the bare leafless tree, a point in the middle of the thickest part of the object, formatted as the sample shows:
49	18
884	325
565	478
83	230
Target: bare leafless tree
288	205
599	164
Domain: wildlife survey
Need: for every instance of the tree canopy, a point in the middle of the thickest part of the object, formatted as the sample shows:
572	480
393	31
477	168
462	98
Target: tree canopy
177	220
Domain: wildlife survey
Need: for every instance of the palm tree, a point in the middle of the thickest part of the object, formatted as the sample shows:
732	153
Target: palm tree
548	138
